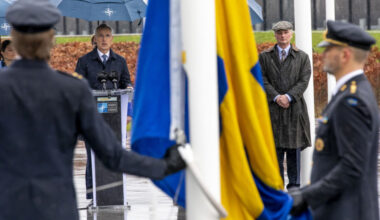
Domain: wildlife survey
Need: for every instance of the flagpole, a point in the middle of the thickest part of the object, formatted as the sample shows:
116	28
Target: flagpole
302	17
199	43
330	15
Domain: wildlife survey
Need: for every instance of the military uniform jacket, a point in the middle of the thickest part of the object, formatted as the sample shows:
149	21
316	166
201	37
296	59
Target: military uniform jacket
41	114
90	65
344	172
291	126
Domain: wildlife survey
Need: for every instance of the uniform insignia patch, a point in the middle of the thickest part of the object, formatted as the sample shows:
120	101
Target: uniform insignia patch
319	144
74	74
322	120
353	87
343	88
183	57
77	75
352	101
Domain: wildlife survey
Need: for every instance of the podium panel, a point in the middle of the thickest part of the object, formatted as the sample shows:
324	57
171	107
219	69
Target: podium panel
113	105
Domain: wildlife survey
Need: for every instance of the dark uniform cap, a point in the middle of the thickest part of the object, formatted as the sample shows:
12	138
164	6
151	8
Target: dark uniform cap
346	34
282	25
32	16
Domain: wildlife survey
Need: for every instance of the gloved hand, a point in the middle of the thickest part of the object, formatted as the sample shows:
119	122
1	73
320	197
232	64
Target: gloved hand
299	202
173	160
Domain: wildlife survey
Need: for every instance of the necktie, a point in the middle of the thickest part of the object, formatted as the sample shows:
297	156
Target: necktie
283	55
104	59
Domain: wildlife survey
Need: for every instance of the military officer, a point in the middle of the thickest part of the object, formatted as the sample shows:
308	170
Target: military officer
41	115
344	174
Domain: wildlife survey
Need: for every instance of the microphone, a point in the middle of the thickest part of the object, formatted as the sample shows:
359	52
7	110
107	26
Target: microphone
102	78
113	77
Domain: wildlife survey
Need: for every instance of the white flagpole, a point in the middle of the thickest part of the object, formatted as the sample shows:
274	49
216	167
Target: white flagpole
302	17
330	15
199	43
177	77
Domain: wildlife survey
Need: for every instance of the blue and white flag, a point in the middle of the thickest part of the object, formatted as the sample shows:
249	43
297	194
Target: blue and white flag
159	106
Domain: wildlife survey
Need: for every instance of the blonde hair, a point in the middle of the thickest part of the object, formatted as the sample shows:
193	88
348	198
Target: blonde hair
34	46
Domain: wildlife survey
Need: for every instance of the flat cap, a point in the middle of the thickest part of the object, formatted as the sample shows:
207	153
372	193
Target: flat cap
346	34
282	25
32	16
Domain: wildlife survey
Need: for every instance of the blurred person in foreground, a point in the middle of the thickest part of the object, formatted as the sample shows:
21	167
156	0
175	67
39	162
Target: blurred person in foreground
43	113
1	56
8	53
344	173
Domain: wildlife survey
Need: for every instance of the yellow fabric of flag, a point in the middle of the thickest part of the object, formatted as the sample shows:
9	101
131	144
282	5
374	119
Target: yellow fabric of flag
247	149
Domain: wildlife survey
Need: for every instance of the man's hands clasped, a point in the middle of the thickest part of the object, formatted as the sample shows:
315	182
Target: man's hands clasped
283	101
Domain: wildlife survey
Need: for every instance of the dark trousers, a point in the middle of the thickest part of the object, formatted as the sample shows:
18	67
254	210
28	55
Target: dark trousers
88	171
292	163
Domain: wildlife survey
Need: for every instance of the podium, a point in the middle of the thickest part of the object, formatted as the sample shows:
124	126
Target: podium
109	188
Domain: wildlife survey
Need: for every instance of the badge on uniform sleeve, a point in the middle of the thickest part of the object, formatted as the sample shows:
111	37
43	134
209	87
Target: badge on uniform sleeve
323	120
319	144
352	101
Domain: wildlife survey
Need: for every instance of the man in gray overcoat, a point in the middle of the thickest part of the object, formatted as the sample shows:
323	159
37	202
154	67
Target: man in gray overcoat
286	73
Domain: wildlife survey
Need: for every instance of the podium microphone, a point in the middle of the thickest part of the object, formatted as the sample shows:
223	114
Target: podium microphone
113	77
102	78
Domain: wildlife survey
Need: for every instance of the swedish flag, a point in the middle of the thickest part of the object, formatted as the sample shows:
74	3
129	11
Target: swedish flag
250	179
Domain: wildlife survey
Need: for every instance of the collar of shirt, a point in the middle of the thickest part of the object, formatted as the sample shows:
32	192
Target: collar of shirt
346	78
279	49
101	54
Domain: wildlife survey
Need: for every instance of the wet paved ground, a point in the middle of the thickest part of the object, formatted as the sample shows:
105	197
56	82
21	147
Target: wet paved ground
145	200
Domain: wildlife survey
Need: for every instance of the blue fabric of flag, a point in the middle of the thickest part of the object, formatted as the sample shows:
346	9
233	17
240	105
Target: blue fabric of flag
151	106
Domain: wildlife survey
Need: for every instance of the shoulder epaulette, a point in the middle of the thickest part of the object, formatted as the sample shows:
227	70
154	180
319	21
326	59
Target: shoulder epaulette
74	74
353	87
343	88
77	75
